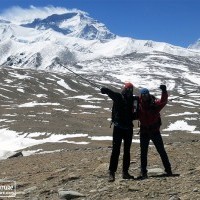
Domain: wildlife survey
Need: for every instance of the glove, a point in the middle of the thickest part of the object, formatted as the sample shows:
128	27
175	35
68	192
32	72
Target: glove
163	88
104	90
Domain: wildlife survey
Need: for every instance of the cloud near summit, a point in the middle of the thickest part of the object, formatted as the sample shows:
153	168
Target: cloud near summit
20	15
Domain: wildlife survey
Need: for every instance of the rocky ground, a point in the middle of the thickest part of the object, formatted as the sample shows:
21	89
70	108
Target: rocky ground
84	171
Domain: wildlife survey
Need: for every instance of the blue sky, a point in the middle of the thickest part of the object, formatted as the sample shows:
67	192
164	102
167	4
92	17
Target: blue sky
172	21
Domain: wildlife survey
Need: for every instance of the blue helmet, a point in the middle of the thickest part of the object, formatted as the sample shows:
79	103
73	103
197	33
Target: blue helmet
144	91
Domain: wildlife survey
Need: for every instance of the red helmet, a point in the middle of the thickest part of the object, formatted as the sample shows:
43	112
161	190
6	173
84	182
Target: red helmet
128	85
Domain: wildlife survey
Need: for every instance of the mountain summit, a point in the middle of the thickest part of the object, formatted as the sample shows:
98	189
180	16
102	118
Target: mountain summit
74	24
68	37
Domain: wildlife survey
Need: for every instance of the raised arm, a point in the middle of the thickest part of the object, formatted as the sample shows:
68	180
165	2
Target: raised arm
115	96
160	103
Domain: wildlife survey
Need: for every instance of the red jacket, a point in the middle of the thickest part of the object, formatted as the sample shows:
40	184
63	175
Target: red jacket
150	114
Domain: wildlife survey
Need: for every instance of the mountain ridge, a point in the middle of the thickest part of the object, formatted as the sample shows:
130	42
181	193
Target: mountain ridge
82	36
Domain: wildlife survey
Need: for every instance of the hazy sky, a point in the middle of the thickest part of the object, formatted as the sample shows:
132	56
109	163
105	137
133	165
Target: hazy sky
172	21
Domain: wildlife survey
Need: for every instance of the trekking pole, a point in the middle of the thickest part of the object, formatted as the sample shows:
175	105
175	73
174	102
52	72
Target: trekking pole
91	83
184	95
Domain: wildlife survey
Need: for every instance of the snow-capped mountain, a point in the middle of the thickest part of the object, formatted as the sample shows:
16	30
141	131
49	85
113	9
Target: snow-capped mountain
76	40
70	37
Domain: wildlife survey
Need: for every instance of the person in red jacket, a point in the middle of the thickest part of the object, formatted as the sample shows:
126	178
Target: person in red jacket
150	122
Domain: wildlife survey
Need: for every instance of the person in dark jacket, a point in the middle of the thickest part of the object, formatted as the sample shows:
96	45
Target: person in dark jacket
150	122
122	117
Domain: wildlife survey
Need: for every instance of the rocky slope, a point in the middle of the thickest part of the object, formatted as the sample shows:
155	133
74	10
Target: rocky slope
46	102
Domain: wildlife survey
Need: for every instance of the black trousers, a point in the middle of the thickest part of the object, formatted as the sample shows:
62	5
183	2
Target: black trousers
120	134
158	142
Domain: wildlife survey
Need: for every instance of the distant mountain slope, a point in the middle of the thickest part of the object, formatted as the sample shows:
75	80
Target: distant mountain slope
70	38
75	40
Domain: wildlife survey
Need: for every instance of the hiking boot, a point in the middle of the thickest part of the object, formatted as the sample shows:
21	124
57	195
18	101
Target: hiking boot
126	175
142	176
169	173
111	177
